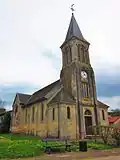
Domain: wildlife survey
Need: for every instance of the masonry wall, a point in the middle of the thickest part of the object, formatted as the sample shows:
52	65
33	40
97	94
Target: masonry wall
30	125
104	121
52	120
68	127
61	125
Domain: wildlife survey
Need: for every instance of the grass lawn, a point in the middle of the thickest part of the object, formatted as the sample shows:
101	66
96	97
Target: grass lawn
16	146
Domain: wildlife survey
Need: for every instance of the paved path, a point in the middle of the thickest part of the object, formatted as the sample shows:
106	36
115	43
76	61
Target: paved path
106	158
65	157
113	154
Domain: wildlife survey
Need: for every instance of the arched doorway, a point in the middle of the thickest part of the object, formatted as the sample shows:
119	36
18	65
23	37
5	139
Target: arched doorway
88	122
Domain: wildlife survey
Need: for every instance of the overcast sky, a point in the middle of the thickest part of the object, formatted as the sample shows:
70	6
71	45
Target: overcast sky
31	32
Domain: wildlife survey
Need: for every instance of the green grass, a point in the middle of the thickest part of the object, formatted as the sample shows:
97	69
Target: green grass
93	145
99	146
16	146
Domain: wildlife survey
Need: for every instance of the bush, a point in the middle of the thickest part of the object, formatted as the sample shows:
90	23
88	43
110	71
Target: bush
5	126
104	132
116	135
99	146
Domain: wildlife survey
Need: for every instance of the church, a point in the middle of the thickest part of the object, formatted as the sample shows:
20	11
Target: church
69	106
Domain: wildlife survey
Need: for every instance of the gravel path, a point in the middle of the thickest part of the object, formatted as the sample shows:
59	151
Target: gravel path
113	154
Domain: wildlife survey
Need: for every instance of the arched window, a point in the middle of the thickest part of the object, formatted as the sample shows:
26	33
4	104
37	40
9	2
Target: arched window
33	112
53	113
26	115
68	112
103	114
16	108
67	56
88	112
82	54
87	56
42	112
85	90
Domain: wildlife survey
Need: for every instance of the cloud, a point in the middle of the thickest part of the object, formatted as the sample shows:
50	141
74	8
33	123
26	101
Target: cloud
108	89
8	92
113	102
32	31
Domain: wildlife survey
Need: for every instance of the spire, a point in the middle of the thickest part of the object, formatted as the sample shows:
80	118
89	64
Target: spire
74	30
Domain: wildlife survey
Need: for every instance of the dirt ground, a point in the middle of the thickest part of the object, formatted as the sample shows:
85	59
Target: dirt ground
90	155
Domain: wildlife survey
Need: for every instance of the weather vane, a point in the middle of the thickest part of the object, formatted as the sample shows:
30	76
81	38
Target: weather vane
72	8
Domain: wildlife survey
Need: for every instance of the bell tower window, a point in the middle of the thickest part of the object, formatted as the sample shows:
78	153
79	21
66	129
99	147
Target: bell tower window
85	90
68	54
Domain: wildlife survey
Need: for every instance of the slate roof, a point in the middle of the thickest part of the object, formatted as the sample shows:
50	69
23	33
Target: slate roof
74	30
23	97
101	104
44	93
63	96
49	91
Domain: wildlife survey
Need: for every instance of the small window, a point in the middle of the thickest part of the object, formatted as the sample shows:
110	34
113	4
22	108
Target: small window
42	112
33	112
53	113
103	114
68	112
16	108
26	115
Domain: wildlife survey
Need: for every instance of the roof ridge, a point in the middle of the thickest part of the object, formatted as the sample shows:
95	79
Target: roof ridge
23	94
45	87
49	87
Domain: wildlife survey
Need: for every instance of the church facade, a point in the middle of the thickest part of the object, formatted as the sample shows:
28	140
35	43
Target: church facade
69	106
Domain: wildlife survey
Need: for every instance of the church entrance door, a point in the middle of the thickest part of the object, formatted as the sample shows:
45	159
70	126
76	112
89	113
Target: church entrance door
88	122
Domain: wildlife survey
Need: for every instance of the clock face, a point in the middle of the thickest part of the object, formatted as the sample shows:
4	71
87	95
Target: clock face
84	74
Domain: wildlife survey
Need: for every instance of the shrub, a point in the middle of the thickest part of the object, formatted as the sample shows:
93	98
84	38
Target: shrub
116	135
99	146
5	126
103	131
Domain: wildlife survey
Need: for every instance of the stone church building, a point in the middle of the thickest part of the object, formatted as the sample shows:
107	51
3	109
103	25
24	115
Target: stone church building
67	107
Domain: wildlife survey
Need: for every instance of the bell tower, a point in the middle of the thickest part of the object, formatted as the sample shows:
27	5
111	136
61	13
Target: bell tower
77	75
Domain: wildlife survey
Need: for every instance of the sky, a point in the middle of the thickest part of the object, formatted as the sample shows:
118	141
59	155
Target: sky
32	31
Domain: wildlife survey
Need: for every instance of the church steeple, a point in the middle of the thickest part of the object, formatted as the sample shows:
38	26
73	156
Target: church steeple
74	30
77	75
